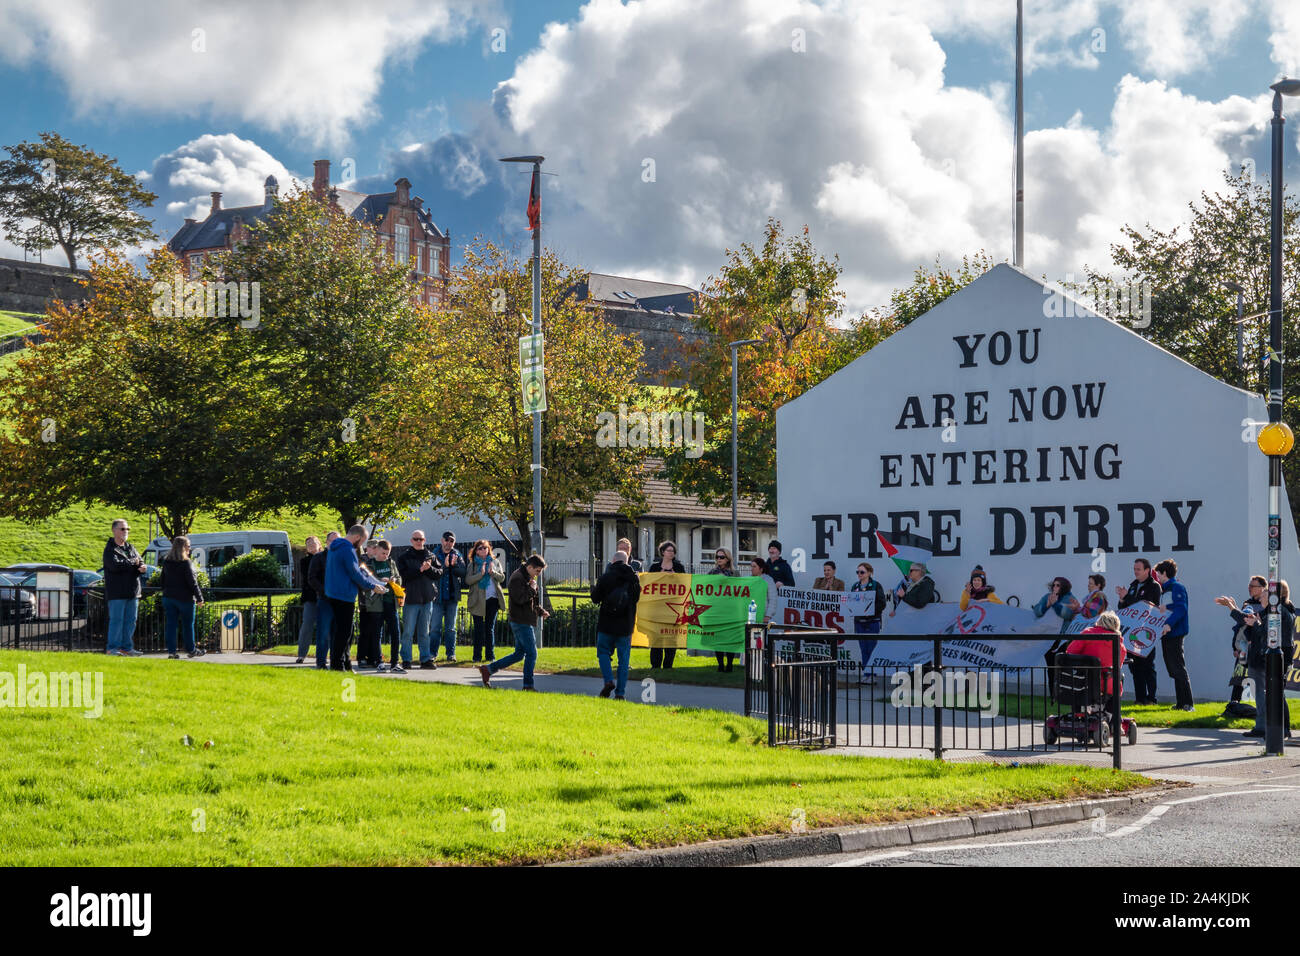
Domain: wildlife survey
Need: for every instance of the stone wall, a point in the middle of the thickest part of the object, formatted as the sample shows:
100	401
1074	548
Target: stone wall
31	286
661	334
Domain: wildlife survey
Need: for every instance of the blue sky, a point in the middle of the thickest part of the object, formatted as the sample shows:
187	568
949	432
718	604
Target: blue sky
884	125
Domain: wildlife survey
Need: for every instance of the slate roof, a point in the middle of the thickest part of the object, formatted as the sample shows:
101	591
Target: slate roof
663	502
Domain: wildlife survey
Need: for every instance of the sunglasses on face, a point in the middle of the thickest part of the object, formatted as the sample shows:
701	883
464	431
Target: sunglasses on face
861	573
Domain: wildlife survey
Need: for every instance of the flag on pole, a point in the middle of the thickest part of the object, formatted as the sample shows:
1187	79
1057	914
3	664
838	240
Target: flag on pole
905	549
535	202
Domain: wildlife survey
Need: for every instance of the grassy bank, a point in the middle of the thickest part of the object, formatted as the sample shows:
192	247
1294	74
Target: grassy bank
306	767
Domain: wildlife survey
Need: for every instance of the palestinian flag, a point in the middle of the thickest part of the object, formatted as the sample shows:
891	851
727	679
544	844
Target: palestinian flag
906	548
535	202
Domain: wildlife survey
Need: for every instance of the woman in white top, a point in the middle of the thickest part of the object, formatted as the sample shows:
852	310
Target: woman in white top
483	580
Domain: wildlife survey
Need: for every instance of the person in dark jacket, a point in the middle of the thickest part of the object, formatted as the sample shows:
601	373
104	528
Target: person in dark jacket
307	629
525	608
625	545
868	623
344	579
722	565
379	612
181	595
617	592
420	579
451	569
918	591
664	656
1253	619
324	610
778	567
1174	599
123	569
1144	588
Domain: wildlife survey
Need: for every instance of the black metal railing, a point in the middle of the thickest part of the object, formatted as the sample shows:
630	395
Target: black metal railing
937	706
40	610
791	684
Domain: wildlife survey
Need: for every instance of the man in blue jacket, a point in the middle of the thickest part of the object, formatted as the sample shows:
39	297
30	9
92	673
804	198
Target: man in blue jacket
446	603
343	579
1173	598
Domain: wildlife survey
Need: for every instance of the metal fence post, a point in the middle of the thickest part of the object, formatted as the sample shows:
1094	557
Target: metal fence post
770	666
938	709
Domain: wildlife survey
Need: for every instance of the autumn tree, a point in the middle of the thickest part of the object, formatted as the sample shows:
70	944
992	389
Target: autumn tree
465	438
338	331
57	193
127	402
787	294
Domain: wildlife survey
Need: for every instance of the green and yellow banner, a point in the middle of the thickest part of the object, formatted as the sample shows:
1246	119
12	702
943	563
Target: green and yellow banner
703	611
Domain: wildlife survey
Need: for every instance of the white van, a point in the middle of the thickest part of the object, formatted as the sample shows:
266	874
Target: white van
214	550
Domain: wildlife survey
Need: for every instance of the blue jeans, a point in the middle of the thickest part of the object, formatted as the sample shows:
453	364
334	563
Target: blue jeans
306	630
606	644
870	626
324	625
442	626
121	623
525	650
415	624
179	618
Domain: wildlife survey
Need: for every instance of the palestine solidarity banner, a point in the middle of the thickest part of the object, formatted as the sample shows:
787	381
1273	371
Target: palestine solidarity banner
1140	627
833	609
703	611
980	618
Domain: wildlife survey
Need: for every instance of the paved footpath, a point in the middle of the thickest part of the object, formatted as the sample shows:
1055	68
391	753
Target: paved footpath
1212	757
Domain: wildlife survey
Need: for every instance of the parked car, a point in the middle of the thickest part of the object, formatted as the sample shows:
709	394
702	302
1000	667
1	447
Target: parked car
15	604
82	581
213	550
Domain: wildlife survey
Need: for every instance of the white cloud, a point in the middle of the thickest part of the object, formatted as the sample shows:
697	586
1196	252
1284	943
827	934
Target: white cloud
1172	38
313	71
859	137
225	163
1284	15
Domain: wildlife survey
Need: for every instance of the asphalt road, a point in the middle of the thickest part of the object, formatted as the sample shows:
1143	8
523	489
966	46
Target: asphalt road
1234	824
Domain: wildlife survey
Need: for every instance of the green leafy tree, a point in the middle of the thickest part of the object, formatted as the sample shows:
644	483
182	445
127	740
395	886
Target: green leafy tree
124	403
787	294
929	287
465	437
1192	314
57	193
338	340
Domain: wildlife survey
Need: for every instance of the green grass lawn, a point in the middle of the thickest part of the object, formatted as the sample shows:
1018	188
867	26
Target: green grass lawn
301	770
14	322
76	536
581	662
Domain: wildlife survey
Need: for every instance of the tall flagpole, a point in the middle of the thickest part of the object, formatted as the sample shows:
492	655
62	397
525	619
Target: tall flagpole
1018	257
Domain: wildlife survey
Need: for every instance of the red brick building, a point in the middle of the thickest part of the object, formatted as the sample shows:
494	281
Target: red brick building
400	219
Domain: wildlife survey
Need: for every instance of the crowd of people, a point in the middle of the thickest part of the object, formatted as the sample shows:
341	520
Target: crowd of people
413	602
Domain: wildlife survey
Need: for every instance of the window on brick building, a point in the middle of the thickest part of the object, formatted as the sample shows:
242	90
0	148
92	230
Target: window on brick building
435	261
402	244
196	261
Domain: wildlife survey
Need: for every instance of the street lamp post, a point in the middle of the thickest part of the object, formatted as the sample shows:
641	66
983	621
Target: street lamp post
735	466
1275	439
538	542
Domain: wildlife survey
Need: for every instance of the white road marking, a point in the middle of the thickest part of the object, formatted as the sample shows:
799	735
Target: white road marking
864	860
1154	814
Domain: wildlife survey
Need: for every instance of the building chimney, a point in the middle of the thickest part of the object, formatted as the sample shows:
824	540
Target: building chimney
321	184
216	202
403	191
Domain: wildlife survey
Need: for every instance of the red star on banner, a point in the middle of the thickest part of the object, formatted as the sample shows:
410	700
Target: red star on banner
688	612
